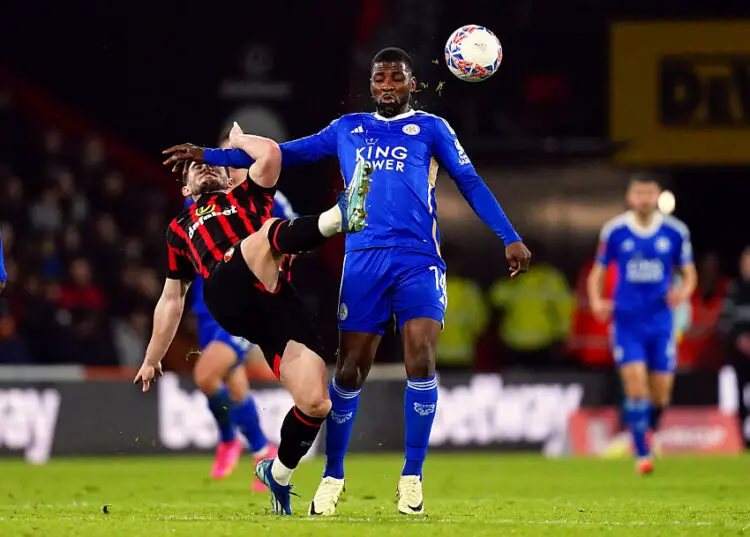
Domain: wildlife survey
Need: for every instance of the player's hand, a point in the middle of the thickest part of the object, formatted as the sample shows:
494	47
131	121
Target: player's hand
675	297
519	258
235	135
182	155
602	309
2	286
147	374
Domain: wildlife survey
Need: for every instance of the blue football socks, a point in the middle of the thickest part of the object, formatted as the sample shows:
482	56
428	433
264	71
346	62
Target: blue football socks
637	415
339	428
420	404
245	415
220	404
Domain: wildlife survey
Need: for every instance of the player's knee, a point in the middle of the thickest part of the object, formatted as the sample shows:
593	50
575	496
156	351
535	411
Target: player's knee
352	370
206	380
316	407
636	390
660	397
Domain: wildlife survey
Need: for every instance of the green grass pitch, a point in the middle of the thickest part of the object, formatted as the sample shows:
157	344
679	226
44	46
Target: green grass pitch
465	494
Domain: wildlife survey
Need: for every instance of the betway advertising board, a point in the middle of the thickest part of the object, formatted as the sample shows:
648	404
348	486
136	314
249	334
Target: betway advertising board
514	411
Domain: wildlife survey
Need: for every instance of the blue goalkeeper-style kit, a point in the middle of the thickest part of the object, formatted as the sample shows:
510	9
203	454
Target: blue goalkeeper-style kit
393	267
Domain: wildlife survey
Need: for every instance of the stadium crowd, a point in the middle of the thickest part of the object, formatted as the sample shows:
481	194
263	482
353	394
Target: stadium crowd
84	248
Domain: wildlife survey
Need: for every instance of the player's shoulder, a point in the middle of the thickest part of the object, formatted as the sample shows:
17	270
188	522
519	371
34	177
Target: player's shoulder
613	225
170	233
354	119
177	223
675	225
432	120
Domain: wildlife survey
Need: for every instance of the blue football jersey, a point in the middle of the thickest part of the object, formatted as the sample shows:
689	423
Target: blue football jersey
404	152
646	259
282	208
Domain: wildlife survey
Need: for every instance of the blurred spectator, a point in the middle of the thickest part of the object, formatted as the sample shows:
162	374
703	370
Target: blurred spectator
71	244
734	327
50	264
589	340
112	200
535	313
91	340
53	149
12	205
131	338
42	325
93	161
465	316
80	293
104	241
45	213
73	236
12	348
700	346
75	205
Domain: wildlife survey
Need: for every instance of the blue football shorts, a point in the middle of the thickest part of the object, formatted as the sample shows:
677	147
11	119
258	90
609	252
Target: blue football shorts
380	284
209	330
657	349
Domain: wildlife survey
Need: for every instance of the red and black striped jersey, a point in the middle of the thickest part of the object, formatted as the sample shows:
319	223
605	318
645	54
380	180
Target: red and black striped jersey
199	236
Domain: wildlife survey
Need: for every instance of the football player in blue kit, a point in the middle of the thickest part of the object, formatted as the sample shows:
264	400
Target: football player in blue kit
220	374
393	267
649	249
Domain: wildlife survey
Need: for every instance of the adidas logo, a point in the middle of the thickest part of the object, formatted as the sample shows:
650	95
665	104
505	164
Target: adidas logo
357	130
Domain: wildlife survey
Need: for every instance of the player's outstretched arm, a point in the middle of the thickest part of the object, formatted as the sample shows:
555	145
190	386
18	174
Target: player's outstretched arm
481	199
167	316
301	151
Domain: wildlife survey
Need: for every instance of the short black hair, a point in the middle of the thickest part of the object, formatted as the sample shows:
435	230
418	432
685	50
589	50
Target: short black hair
644	178
392	54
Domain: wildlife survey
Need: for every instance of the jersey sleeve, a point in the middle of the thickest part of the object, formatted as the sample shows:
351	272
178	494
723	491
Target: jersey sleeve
179	266
454	159
684	254
311	148
308	149
606	251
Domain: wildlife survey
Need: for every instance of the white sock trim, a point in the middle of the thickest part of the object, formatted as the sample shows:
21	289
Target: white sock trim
329	222
281	474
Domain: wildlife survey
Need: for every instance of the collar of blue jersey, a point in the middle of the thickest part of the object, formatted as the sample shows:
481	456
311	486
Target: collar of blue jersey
637	229
394	118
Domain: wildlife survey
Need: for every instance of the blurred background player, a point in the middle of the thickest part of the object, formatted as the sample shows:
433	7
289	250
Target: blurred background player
621	445
393	267
734	326
649	248
220	374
